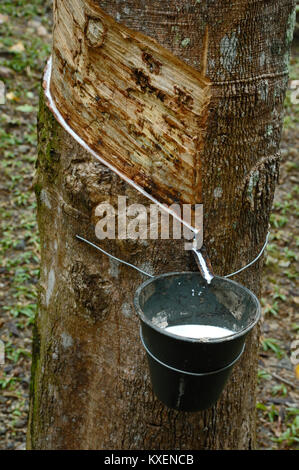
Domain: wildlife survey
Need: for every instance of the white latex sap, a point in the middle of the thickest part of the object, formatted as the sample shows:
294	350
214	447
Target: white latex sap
199	331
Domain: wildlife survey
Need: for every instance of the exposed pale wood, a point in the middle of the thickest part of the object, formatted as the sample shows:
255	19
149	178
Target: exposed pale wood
133	102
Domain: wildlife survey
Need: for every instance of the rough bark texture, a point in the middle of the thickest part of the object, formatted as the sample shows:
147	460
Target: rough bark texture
90	383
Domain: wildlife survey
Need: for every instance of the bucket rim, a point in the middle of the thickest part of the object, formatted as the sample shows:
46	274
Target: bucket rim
231	337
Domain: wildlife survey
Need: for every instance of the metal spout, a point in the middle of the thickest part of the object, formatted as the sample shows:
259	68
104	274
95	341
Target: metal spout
203	262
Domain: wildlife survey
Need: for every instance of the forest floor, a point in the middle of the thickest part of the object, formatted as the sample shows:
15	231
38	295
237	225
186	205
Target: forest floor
24	46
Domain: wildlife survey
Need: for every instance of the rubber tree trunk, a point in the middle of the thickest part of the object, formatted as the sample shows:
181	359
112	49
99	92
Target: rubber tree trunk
90	382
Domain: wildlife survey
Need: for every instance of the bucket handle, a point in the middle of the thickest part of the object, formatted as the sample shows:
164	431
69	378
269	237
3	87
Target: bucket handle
196	374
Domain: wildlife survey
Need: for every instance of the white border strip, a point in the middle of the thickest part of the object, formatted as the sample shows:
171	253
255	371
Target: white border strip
64	124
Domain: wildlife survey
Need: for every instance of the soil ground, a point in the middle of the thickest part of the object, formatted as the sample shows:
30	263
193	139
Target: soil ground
24	46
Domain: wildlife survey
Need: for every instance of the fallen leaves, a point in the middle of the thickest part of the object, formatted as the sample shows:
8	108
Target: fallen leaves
12	97
18	47
26	108
6	72
39	28
4	18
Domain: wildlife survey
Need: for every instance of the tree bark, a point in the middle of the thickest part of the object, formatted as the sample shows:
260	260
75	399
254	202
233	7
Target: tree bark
90	384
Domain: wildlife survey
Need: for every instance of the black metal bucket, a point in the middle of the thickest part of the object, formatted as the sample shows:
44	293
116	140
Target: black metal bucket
189	374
